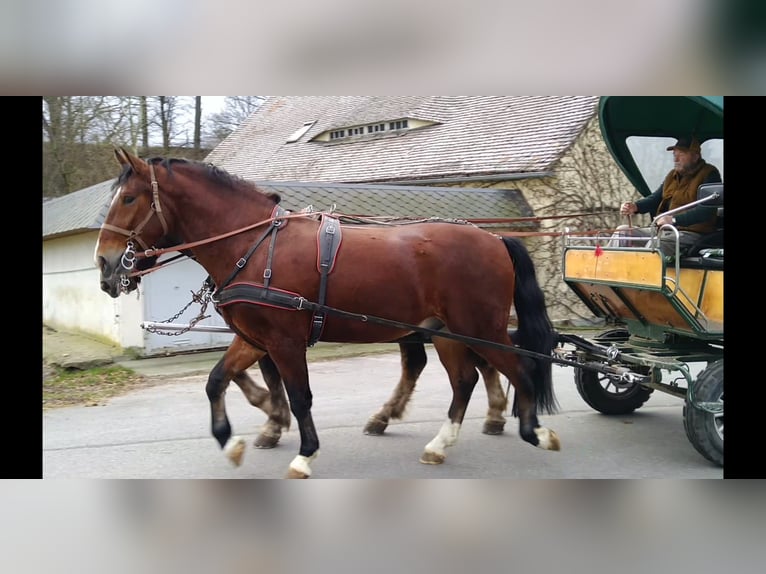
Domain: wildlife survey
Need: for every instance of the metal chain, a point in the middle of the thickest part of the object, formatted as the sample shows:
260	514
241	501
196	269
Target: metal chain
202	297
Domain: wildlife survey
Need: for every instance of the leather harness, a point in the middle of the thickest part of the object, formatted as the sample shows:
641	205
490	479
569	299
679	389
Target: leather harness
329	238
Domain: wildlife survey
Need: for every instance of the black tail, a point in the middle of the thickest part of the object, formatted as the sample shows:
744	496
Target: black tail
535	331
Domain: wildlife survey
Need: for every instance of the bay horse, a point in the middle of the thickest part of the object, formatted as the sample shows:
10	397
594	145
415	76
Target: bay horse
240	356
405	277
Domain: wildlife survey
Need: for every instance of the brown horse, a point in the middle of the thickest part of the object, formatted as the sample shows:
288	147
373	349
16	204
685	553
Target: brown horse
385	283
272	400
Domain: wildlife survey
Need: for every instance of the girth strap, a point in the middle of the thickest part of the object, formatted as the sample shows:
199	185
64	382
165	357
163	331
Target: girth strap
258	295
328	242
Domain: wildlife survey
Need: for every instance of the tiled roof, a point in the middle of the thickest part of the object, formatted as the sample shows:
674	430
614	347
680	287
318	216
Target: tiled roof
79	211
86	209
474	136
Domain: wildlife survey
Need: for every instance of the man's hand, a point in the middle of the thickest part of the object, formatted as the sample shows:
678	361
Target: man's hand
663	220
628	208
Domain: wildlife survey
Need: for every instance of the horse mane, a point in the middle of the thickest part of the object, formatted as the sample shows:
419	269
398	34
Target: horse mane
211	171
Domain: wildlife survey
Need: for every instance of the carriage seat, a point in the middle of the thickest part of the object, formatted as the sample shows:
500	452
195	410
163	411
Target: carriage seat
709	258
713	240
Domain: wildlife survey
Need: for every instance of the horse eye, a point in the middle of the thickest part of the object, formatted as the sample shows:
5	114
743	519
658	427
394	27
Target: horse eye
128	199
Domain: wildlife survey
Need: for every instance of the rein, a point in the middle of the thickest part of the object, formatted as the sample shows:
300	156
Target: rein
152	251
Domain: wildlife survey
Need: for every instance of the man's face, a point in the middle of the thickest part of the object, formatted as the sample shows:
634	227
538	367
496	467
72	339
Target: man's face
683	160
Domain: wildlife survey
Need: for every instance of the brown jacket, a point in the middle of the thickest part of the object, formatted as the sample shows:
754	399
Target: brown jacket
678	190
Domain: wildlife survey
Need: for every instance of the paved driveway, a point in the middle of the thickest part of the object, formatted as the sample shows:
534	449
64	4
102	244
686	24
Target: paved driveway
163	432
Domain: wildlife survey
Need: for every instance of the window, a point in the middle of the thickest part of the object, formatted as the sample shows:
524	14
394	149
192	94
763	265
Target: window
298	134
372	129
654	162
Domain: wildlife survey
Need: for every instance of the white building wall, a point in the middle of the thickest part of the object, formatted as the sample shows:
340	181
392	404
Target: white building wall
72	297
73	301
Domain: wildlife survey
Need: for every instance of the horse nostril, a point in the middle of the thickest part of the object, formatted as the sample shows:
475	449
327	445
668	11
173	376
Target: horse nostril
105	286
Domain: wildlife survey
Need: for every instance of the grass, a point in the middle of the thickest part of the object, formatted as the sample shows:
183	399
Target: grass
91	387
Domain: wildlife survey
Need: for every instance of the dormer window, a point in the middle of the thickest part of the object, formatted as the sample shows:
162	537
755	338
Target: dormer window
373	129
298	134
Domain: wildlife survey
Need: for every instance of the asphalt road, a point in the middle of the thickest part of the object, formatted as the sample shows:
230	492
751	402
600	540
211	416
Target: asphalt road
163	432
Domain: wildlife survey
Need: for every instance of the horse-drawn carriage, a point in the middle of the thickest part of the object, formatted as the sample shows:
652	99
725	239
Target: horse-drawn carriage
450	283
666	312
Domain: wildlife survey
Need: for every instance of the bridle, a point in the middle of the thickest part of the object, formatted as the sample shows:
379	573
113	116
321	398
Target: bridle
129	257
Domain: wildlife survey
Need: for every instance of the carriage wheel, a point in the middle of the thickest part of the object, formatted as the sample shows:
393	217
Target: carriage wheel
602	393
705	430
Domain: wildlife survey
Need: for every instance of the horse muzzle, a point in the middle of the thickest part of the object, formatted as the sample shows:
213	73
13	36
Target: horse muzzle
115	278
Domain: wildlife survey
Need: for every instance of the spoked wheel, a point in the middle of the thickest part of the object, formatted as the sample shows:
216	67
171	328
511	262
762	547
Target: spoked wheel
705	430
606	395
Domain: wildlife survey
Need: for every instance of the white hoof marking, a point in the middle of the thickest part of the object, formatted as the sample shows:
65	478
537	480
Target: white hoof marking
447	437
234	450
549	440
302	463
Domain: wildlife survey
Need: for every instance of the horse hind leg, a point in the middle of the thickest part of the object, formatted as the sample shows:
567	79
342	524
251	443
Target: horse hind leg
497	400
413	360
463	377
525	401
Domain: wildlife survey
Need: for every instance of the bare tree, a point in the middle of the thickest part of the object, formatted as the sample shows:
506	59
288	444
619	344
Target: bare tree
197	122
590	186
79	133
236	110
165	119
144	122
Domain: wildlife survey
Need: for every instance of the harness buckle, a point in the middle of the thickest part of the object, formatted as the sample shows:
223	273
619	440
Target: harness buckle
241	263
267	273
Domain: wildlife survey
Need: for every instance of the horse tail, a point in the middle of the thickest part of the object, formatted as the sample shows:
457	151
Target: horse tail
535	332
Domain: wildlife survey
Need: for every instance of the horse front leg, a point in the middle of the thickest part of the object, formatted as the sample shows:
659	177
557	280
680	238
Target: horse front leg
290	360
274	404
238	357
413	360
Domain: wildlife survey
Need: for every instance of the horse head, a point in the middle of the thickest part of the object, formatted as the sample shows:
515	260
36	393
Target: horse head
134	221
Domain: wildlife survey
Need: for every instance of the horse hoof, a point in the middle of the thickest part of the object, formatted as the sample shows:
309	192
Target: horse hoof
292	473
375	426
429	457
493	427
266	440
548	439
234	450
300	466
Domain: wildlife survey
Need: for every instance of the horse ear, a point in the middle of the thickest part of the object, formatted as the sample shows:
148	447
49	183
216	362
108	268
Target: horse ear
119	154
275	197
126	158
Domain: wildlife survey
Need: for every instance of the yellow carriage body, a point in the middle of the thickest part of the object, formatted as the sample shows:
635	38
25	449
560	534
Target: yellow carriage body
638	287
